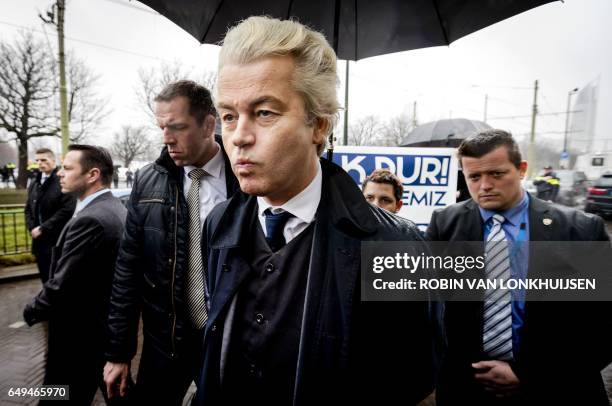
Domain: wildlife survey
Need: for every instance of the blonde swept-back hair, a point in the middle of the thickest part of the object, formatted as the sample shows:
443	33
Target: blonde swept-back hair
315	78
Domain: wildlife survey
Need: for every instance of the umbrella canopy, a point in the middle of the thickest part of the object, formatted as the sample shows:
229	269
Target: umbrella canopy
356	29
443	133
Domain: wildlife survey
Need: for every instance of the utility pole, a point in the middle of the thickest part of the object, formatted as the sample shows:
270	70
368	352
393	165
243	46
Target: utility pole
565	158
485	107
531	156
567	113
414	115
60	5
346	104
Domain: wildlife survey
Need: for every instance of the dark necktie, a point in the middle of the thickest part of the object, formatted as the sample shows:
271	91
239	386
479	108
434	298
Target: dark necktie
196	284
275	225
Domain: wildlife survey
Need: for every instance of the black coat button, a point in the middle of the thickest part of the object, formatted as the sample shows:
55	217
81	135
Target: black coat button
270	267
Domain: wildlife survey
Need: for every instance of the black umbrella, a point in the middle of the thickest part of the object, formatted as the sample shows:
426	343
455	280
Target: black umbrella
443	133
356	29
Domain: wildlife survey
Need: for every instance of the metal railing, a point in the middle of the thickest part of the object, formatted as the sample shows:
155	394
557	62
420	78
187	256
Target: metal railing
14	235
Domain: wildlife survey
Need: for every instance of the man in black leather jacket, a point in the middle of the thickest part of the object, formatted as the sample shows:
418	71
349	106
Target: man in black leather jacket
150	276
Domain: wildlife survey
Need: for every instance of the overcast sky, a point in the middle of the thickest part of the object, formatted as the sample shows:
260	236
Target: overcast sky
563	45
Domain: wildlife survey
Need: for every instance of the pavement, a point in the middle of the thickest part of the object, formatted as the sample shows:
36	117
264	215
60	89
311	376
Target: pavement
23	354
14	273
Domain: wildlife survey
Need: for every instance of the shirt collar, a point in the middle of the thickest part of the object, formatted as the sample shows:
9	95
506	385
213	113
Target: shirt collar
303	205
81	204
513	215
213	167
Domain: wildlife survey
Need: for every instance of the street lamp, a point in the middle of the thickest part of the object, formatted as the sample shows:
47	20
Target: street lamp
567	112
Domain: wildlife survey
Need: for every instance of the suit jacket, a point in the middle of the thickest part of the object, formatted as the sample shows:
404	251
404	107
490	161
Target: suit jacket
564	345
350	351
76	296
48	208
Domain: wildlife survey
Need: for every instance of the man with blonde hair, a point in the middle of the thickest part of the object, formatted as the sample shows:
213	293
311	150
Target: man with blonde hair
286	323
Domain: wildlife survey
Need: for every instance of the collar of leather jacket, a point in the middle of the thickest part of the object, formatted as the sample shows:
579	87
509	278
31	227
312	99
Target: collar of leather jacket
342	205
176	172
166	162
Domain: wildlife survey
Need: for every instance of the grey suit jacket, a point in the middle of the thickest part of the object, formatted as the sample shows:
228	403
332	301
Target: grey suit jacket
82	266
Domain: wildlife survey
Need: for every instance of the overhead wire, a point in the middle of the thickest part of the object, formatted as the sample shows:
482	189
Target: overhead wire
89	43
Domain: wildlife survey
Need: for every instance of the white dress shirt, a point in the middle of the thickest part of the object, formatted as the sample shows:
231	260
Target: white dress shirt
213	189
303	206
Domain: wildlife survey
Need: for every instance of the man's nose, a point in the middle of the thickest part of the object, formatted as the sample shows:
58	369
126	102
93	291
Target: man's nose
486	183
244	133
168	137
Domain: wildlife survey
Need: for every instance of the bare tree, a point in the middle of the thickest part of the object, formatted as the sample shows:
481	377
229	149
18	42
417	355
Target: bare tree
27	89
131	143
395	130
364	131
153	80
28	94
85	108
7	153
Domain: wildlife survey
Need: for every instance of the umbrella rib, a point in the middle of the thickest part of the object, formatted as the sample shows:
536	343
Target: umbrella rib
336	24
210	24
288	15
356	30
435	4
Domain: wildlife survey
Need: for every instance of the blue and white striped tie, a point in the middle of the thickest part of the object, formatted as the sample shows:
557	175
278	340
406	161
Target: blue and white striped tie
497	331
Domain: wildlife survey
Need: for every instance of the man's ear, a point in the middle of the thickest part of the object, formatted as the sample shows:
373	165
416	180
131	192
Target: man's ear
94	175
522	169
321	130
398	205
209	125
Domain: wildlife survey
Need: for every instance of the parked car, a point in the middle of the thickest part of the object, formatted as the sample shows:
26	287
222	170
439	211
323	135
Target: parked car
599	196
123	194
573	187
529	186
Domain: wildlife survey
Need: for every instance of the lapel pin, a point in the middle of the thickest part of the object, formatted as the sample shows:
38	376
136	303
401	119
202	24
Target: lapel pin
547	222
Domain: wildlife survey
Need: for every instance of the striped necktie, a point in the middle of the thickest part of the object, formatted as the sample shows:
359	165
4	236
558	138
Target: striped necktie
196	283
497	331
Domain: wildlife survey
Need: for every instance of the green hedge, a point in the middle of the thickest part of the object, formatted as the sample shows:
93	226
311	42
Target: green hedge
13	196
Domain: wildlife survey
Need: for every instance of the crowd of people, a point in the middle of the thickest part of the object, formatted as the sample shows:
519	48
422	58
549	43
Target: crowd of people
241	254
